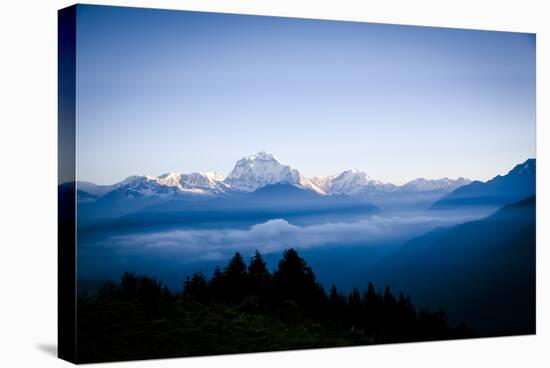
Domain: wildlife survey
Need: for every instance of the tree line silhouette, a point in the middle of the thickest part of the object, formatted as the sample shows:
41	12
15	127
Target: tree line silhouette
243	307
292	294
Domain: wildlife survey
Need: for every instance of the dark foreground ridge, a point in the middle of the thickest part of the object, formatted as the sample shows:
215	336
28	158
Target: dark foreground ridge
245	308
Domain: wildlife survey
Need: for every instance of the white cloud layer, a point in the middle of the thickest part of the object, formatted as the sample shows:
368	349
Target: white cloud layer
276	235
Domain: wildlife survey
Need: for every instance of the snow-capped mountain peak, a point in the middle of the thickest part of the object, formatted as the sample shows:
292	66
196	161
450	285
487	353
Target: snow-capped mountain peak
261	156
262	169
425	185
256	171
195	182
141	186
350	182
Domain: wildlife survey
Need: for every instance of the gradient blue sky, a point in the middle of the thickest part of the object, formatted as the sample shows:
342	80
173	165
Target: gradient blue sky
161	91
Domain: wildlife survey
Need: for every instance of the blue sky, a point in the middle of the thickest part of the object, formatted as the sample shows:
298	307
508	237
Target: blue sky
161	91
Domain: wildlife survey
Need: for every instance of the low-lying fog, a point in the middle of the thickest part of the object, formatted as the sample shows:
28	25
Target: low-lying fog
339	248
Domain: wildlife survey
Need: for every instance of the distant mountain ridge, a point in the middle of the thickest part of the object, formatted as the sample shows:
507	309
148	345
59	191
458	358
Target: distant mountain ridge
252	173
351	182
424	185
518	183
269	202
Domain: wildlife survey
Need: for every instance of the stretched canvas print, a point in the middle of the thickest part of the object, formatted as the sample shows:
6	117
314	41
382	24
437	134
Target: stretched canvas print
235	183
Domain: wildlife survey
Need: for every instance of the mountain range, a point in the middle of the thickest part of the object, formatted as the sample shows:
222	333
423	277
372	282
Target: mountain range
518	183
252	173
260	186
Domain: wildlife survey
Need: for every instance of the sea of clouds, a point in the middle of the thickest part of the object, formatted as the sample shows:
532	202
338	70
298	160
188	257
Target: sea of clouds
277	234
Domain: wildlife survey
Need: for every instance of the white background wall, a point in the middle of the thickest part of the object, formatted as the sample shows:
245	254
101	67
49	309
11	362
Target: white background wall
28	169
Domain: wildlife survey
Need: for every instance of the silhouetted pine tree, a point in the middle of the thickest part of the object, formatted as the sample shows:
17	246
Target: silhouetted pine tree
389	313
354	298
235	278
406	317
129	285
354	308
144	290
196	288
334	297
336	305
216	286
294	280
260	281
372	306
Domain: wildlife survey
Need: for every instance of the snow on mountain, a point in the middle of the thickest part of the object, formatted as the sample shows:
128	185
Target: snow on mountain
308	184
170	184
141	186
196	182
426	185
356	182
262	169
257	171
351	182
323	182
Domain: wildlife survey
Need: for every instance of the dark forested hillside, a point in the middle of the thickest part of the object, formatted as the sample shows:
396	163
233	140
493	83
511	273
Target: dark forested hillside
245	308
482	272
